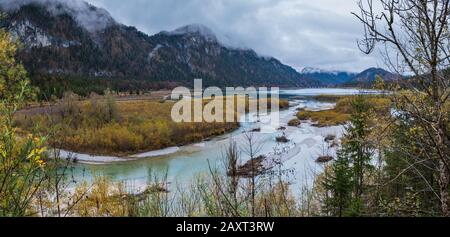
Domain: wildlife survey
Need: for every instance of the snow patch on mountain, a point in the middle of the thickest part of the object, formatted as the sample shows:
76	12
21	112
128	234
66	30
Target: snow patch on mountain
31	35
311	70
34	37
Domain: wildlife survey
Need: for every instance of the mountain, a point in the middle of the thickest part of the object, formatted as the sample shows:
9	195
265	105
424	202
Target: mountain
72	45
365	79
73	39
327	78
368	77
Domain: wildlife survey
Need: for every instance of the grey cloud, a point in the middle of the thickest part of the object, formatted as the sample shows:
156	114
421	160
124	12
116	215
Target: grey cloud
301	33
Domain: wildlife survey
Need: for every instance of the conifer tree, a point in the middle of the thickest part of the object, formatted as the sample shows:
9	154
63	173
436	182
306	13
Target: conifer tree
346	183
338	183
357	146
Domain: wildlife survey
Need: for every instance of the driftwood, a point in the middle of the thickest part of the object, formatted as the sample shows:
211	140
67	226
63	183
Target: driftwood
282	139
330	138
251	168
324	159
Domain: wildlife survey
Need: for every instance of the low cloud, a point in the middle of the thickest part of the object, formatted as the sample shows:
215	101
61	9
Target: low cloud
83	12
301	33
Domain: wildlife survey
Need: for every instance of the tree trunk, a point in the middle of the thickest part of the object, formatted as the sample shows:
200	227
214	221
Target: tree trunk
443	188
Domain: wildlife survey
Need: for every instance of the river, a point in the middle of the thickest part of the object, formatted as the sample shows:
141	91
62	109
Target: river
306	144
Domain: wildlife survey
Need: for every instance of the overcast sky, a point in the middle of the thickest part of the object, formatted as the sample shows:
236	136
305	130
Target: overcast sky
300	33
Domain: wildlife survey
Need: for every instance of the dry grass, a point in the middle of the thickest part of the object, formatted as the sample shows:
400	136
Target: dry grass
138	126
341	113
294	123
123	127
324	118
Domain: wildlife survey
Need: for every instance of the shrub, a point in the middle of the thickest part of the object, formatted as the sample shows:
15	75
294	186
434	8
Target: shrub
294	123
282	139
324	118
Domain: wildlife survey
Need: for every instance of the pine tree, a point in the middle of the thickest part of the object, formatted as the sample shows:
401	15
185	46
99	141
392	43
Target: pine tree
339	185
357	145
358	148
346	183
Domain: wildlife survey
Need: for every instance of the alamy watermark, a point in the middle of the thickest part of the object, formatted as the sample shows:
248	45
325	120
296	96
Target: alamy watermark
237	104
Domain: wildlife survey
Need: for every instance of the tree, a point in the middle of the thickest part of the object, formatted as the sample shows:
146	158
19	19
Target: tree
346	181
356	142
339	186
21	157
111	106
103	109
416	35
405	177
252	147
379	83
14	84
232	165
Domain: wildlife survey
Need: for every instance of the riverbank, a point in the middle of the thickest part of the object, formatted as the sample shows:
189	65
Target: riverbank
105	127
305	135
93	159
306	144
340	114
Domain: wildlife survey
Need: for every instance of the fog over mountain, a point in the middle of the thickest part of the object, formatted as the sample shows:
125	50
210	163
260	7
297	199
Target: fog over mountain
61	46
300	33
82	44
92	19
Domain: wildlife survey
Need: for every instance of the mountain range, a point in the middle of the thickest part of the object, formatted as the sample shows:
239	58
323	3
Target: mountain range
63	40
348	79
